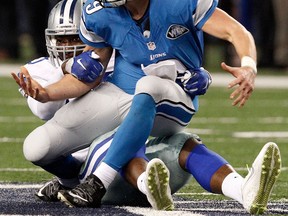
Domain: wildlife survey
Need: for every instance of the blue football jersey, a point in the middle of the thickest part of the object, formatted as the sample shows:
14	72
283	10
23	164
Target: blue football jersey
172	31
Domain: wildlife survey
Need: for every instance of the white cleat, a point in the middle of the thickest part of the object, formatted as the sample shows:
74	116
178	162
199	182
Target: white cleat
157	186
259	182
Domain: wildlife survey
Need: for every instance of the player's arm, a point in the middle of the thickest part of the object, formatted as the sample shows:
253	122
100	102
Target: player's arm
223	26
44	111
80	77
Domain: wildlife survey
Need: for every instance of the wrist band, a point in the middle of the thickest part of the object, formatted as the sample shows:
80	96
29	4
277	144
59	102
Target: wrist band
249	62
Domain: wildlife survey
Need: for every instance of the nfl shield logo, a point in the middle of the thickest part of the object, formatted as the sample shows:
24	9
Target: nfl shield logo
151	46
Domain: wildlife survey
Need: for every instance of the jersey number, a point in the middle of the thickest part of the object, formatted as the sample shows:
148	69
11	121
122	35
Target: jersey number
92	8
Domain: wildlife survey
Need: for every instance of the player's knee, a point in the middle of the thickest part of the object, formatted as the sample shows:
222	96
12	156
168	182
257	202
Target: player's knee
149	85
190	143
36	146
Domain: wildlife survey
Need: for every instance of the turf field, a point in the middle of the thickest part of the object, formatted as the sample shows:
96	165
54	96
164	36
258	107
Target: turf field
237	134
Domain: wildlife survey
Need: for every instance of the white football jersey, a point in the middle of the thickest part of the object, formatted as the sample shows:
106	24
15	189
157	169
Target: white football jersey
42	71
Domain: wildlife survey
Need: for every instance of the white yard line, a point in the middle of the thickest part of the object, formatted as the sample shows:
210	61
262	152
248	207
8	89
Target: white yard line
261	134
152	212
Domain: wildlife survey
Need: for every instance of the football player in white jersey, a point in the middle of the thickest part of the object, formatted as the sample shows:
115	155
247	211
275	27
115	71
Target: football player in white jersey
148	35
63	42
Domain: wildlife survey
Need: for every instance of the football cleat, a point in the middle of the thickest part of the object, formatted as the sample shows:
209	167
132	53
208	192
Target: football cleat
259	182
87	194
157	186
48	192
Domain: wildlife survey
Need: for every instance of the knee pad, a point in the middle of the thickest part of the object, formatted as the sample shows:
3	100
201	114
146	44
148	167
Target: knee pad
36	145
150	85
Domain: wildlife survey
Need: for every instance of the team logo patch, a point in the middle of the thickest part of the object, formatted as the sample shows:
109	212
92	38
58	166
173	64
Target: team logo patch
175	31
151	46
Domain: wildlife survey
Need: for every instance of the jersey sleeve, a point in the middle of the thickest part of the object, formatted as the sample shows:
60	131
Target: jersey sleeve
44	111
88	36
45	74
203	11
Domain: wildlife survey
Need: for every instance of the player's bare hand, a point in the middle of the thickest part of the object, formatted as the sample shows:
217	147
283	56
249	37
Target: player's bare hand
30	86
244	83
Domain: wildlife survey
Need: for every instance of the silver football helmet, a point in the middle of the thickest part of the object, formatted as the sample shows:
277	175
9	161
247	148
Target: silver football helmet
111	3
64	23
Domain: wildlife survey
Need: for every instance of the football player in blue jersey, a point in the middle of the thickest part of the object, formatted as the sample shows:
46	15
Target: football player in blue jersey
159	51
62	41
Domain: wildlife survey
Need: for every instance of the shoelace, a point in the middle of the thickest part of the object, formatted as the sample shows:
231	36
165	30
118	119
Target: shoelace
83	192
53	189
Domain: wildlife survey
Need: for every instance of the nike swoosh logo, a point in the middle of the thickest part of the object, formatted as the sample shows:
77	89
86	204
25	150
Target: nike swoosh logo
81	64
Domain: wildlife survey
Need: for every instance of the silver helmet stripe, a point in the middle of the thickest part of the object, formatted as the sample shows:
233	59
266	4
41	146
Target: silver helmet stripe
67	10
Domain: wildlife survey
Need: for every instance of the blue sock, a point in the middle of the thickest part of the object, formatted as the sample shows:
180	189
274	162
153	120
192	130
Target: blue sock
65	167
133	132
202	163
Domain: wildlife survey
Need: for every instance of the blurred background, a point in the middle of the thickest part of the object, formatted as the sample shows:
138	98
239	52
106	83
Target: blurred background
23	23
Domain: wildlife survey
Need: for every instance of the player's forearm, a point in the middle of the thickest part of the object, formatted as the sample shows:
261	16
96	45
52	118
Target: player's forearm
68	87
244	43
225	27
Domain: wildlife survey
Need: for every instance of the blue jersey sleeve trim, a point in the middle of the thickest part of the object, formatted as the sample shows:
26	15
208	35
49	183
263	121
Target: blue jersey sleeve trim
89	43
207	15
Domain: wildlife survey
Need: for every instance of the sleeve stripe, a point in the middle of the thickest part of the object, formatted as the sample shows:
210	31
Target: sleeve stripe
202	9
89	37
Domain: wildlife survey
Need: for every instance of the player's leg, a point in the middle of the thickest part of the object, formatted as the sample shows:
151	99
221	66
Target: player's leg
215	175
153	178
168	149
152	181
74	127
136	127
154	97
165	148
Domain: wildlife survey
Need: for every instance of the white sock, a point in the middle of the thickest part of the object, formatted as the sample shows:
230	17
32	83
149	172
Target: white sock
141	183
105	173
231	186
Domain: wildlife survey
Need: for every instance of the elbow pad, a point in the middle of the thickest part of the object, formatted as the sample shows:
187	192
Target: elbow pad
85	67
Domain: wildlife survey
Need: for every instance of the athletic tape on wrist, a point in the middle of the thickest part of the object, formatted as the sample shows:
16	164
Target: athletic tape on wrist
249	62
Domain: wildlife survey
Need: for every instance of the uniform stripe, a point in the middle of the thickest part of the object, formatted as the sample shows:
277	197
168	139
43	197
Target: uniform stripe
72	9
177	112
184	124
203	9
62	12
96	155
87	36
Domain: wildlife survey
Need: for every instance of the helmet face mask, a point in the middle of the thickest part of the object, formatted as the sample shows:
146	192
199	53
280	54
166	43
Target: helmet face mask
62	32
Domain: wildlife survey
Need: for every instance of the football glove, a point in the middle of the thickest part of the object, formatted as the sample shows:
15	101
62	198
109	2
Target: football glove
194	82
85	67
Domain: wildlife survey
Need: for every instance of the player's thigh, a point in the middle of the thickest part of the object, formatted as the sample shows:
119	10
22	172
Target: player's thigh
174	108
78	123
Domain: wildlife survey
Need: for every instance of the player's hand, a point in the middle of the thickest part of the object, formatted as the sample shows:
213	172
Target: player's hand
245	82
195	82
30	86
85	67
